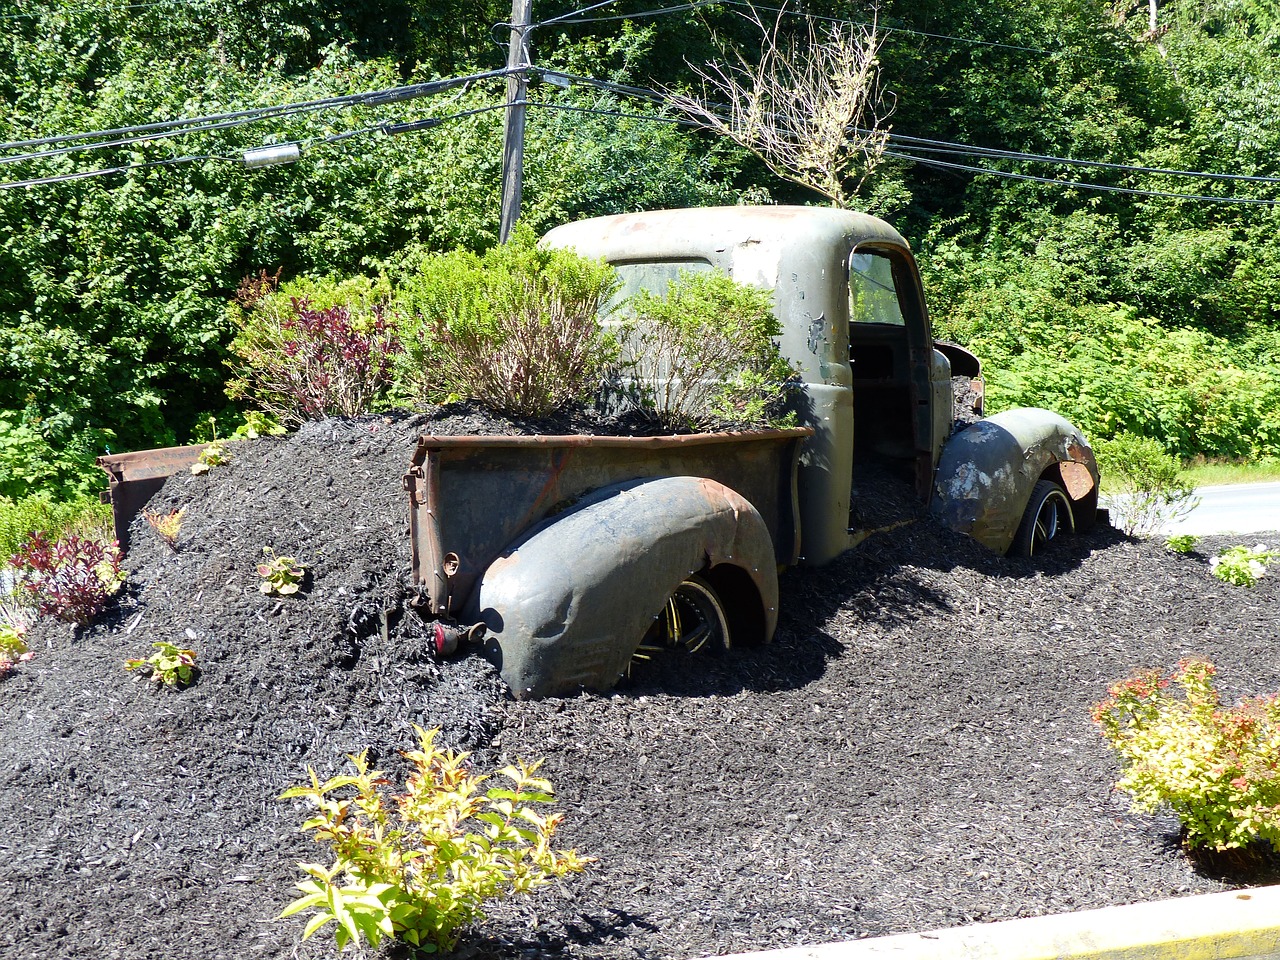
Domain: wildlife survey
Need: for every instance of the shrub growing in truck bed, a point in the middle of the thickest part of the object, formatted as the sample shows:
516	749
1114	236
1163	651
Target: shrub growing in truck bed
516	328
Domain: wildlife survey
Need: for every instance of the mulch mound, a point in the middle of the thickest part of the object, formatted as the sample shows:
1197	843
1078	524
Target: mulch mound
913	751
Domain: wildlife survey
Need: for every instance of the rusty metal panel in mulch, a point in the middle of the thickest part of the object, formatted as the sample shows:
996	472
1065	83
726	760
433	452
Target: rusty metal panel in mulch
133	478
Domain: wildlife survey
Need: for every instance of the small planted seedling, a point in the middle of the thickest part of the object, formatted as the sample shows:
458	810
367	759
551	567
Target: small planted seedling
13	650
1182	542
166	525
282	575
1242	565
169	665
214	455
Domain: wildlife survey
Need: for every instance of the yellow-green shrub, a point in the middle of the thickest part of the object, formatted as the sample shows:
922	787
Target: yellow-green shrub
1215	768
516	329
423	872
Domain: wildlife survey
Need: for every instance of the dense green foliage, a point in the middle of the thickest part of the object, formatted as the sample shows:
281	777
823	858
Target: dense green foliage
1128	312
706	351
113	290
516	328
20	518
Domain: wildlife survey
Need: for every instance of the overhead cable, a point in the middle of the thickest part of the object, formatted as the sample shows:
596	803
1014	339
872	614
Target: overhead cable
884	29
301	145
104	171
926	145
168	128
922	145
1081	185
104	8
639	15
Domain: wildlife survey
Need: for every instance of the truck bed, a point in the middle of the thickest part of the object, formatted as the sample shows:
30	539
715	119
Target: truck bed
473	496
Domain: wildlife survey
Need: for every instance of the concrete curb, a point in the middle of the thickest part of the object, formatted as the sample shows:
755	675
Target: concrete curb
1216	926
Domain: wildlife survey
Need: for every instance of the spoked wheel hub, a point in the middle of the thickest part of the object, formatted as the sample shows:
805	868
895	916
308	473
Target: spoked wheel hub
692	621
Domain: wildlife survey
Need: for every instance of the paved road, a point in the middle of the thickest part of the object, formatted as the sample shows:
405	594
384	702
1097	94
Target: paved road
1234	508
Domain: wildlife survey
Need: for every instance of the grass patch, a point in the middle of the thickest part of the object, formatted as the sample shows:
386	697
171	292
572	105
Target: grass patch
1206	473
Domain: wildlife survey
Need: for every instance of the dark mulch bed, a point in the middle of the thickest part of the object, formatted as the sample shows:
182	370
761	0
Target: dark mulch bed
913	751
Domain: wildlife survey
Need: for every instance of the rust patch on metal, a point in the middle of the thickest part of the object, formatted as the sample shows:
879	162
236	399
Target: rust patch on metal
431	442
1076	478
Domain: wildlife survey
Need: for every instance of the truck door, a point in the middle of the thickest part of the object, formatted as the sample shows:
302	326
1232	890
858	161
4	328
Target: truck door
895	368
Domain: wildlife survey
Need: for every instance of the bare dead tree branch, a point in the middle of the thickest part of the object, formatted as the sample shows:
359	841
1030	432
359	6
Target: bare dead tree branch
811	109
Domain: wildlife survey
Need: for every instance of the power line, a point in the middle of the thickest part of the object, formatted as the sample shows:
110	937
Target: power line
385	127
675	121
639	15
168	128
104	171
923	145
926	145
912	146
884	29
1080	185
571	13
105	8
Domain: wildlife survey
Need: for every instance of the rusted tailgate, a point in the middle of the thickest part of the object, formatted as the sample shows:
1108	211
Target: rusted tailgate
133	478
470	497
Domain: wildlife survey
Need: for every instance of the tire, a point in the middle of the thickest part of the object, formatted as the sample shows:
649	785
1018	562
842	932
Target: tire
692	621
1048	515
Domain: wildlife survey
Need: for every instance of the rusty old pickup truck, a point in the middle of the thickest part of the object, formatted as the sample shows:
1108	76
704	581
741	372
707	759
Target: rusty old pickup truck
568	556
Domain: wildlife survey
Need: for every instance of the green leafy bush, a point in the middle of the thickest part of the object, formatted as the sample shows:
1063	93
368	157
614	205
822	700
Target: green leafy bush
38	514
1105	366
47	457
1242	565
1217	769
516	329
424	872
1182	542
706	350
170	665
1146	484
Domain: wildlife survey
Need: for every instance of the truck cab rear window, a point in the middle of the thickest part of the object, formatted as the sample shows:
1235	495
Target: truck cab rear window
652	276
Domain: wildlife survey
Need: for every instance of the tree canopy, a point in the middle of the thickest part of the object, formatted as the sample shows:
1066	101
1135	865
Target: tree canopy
114	288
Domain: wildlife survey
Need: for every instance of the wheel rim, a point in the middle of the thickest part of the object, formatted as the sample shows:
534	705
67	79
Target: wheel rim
692	620
1048	520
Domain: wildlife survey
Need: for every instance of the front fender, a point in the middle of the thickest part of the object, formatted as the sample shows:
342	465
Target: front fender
568	604
987	470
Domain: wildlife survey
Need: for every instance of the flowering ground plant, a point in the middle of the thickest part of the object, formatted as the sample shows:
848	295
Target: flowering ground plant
1216	768
1242	565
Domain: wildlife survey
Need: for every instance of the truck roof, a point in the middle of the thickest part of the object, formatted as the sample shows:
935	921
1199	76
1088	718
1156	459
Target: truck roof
710	232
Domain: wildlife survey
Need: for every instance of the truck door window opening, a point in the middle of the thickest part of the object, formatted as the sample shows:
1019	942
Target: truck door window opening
873	296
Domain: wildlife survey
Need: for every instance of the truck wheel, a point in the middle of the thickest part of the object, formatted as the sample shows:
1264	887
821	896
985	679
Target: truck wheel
1048	515
693	621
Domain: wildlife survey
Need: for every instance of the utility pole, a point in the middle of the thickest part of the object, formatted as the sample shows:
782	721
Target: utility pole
513	131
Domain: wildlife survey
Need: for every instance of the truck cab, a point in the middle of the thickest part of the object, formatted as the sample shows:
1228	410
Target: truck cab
876	386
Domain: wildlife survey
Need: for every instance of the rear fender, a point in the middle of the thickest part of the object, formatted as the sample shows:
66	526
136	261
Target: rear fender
567	605
987	471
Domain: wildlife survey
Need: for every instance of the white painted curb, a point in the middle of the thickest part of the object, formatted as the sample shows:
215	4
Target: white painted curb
1216	926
